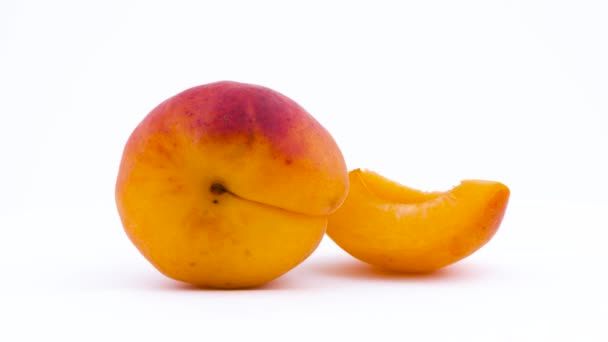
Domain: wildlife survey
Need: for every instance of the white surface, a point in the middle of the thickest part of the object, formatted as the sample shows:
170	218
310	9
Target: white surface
427	93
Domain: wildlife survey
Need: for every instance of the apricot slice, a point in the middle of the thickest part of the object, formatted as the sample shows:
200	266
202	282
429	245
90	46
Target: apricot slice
402	229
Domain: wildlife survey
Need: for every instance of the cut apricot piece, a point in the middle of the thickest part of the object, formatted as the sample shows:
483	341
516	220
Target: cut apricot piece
402	229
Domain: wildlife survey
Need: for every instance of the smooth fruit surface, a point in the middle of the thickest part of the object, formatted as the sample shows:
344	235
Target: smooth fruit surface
228	185
402	229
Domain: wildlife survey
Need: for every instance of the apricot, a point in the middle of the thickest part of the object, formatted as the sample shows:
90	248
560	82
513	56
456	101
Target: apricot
228	185
401	229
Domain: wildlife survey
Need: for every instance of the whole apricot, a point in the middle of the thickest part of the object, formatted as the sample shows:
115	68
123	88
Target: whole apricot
228	185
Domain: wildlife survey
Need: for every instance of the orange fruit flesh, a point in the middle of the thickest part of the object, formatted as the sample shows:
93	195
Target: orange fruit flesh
403	229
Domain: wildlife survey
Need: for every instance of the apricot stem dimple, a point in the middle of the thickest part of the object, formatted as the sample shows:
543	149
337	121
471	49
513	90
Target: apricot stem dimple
218	189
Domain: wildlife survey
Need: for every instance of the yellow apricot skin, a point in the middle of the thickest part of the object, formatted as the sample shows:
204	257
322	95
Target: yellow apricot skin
228	185
401	229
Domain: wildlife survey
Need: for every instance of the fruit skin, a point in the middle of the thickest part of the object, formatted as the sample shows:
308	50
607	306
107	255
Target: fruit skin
228	185
405	230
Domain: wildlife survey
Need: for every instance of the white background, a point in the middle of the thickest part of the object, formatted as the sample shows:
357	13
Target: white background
424	92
